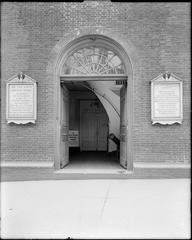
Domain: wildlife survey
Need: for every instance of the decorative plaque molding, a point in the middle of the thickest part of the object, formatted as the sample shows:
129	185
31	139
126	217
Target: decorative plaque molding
21	99
166	99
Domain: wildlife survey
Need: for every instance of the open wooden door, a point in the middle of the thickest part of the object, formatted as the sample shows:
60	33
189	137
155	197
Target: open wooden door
64	127
123	126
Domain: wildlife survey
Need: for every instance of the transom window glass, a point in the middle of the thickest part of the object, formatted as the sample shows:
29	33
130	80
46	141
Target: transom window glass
93	61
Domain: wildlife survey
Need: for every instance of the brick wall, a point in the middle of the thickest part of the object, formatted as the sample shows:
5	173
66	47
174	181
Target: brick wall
160	33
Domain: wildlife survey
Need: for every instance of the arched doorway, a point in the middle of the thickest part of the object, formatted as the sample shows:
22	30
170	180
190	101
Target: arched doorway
103	66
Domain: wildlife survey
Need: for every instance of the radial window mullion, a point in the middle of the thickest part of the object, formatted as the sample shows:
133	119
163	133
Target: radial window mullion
94	61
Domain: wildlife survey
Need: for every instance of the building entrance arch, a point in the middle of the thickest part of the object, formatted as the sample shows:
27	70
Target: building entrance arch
99	61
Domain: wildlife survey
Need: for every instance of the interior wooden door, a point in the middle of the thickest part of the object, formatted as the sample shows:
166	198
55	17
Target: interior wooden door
93	126
88	132
64	126
123	126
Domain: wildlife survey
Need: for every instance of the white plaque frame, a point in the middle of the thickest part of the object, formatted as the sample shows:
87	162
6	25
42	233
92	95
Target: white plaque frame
26	81
168	80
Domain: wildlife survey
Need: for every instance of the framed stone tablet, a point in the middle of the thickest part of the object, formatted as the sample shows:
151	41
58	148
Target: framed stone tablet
166	99
21	94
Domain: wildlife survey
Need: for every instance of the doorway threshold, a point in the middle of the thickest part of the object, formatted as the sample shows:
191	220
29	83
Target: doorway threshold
92	171
93	164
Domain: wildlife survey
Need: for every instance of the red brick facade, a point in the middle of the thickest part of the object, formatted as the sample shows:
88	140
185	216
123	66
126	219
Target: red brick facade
160	35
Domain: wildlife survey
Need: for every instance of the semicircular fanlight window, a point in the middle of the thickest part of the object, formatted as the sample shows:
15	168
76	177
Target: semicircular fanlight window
93	61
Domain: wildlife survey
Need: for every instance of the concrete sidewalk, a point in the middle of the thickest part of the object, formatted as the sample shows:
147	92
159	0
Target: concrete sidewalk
96	209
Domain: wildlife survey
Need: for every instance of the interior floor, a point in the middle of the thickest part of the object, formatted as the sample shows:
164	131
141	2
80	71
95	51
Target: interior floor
93	160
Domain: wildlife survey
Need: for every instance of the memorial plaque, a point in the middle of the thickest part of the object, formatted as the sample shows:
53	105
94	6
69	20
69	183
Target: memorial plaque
166	100
21	100
73	138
